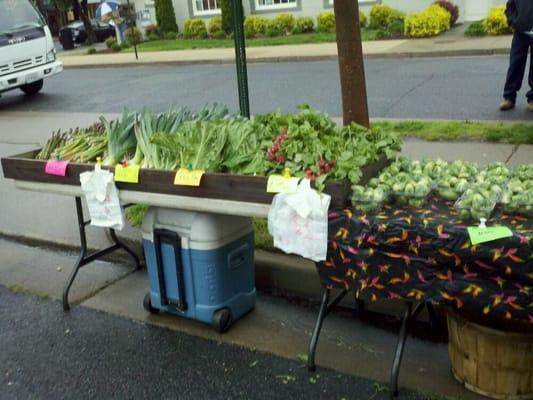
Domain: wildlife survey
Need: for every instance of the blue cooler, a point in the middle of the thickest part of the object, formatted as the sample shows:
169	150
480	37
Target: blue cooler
200	265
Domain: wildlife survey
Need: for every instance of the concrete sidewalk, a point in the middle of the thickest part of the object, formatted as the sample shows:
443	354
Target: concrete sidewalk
450	44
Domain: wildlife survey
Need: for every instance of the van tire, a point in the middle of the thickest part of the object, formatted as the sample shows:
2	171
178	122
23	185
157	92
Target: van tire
32	88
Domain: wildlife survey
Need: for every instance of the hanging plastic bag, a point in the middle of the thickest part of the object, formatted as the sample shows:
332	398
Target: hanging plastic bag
102	199
298	222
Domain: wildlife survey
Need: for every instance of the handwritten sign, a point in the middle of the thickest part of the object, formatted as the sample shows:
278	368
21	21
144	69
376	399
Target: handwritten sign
129	174
483	235
188	177
280	183
56	167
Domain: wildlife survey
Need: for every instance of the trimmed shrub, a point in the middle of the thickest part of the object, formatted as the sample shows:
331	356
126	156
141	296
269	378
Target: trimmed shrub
151	30
125	45
165	16
254	26
431	22
382	17
273	29
133	35
195	29
110	41
171	36
219	35
379	16
496	22
215	26
226	8
476	29
325	22
383	34
153	36
303	25
116	47
91	50
451	8
285	21
362	19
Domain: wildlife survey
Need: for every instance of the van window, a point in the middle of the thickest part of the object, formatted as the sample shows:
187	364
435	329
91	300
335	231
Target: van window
18	15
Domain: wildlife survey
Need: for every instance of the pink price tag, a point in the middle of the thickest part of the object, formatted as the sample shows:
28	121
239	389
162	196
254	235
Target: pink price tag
58	168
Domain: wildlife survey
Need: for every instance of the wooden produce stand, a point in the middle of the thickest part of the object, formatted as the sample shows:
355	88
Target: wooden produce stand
218	193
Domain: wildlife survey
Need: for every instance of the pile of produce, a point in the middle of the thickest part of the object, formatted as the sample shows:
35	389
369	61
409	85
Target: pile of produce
76	145
518	195
367	199
479	200
406	181
308	143
496	173
454	179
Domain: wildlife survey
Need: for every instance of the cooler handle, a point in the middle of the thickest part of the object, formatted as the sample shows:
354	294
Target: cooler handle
164	236
237	257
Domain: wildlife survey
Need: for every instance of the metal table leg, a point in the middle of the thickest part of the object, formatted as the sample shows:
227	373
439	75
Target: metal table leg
84	259
325	308
396	364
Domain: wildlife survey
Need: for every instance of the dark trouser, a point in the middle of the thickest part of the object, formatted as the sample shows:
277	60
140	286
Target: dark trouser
517	67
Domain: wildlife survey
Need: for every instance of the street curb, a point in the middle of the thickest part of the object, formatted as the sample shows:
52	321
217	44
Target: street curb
287	59
285	275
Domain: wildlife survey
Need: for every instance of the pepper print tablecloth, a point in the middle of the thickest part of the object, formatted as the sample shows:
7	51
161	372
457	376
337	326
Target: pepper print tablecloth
426	254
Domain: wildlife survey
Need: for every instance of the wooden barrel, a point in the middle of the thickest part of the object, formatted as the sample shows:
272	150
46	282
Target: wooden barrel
491	362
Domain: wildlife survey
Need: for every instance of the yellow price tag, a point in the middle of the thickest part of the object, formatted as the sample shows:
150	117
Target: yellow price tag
186	177
280	183
129	174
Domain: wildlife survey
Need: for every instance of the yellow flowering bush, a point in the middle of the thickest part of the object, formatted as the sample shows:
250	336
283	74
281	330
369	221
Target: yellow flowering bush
496	22
362	19
379	16
325	21
254	26
431	22
286	21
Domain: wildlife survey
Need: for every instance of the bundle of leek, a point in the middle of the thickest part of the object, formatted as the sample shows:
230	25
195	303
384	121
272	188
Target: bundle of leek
121	140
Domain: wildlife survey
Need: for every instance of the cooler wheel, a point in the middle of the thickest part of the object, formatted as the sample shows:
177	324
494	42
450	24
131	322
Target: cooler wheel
222	320
147	304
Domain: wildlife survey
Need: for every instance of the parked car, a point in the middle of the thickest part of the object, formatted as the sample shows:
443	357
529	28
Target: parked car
102	30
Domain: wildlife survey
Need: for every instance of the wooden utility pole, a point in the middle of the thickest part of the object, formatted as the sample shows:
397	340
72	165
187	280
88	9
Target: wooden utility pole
352	69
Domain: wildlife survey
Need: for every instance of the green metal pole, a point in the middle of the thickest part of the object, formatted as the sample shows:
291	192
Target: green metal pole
240	58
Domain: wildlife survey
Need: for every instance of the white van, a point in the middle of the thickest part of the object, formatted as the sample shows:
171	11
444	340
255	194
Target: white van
27	53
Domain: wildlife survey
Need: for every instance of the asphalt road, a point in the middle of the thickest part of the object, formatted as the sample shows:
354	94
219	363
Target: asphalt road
85	354
431	88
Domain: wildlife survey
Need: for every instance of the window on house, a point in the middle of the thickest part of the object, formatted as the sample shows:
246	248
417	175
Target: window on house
203	7
273	4
360	1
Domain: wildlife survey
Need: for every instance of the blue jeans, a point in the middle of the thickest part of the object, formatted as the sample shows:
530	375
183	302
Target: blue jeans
517	66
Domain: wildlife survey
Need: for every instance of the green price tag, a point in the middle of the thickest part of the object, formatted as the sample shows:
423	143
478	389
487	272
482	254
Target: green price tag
483	235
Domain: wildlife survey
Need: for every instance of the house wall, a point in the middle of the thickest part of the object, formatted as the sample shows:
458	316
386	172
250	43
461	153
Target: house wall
475	9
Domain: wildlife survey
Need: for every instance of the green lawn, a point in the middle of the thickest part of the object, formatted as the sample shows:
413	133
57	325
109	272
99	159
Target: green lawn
514	133
188	44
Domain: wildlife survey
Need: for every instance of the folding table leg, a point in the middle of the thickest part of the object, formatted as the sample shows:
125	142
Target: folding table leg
396	364
83	252
84	259
117	241
325	308
316	332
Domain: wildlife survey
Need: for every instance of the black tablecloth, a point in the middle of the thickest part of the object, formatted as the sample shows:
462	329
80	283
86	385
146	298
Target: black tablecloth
426	254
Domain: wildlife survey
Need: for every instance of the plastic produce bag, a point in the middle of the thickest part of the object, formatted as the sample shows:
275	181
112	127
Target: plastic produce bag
102	199
298	222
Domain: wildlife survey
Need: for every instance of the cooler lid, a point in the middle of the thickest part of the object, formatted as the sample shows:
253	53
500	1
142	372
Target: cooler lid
198	227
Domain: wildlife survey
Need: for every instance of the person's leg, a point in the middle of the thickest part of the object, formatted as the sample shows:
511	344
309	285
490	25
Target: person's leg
529	94
517	65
